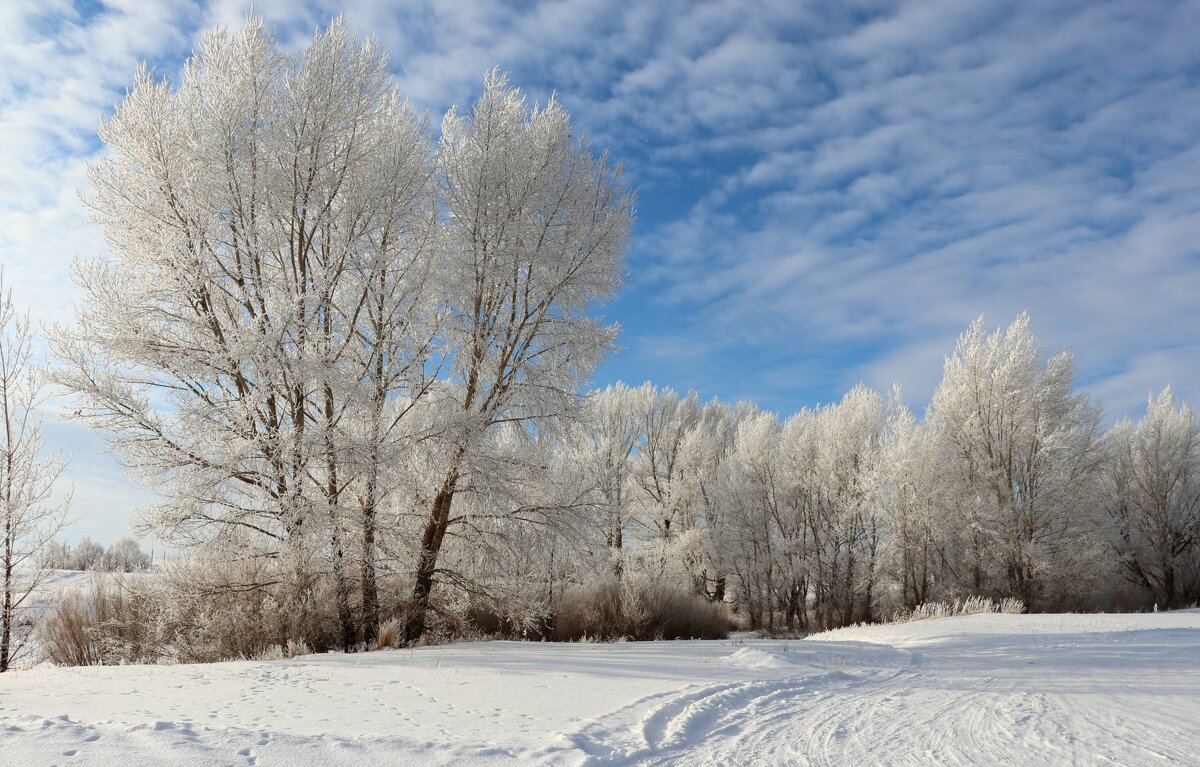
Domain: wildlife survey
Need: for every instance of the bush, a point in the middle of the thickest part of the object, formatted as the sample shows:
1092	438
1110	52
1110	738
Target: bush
664	611
217	606
226	608
591	610
486	620
637	608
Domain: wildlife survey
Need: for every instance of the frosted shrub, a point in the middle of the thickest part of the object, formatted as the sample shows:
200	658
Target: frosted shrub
67	633
638	607
591	610
212	608
223	608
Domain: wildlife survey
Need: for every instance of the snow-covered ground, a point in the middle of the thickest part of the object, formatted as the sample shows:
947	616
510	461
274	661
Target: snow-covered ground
986	689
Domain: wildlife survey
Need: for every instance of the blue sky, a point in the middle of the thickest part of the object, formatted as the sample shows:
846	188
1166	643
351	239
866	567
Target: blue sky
828	193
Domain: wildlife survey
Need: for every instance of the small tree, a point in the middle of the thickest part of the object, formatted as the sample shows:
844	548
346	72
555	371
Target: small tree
85	555
125	556
31	518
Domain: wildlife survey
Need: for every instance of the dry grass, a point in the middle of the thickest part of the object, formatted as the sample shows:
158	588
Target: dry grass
292	649
388	634
111	622
968	606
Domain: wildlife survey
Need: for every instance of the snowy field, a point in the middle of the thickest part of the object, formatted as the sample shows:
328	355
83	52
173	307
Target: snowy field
986	689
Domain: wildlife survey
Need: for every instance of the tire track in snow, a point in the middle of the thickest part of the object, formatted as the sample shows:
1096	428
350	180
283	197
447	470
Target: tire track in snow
684	725
918	715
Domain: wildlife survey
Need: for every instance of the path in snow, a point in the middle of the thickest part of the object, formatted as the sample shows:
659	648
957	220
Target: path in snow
991	689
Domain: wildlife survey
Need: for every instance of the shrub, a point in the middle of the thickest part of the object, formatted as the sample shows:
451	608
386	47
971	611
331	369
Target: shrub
591	610
67	633
224	608
638	608
661	610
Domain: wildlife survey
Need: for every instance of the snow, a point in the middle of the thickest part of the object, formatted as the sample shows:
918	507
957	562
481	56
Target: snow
985	689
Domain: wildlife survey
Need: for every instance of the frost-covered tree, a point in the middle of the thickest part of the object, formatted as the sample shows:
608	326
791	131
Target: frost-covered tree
533	227
264	301
125	556
799	442
56	555
1022	446
747	536
85	555
666	422
1151	481
911	497
29	515
603	442
705	452
844	526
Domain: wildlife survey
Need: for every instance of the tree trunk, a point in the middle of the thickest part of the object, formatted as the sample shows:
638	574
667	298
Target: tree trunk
332	502
431	545
1168	586
370	587
615	541
342	585
9	536
372	501
7	617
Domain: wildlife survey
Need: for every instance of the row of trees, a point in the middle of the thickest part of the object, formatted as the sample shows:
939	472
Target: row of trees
124	556
1008	487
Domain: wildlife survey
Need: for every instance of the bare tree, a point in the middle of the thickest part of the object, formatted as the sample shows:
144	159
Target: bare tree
30	515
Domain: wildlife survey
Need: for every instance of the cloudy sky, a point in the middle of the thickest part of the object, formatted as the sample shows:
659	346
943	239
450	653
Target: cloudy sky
828	193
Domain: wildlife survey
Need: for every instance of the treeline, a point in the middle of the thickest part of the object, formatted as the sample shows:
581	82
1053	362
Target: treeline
650	514
1008	487
124	556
